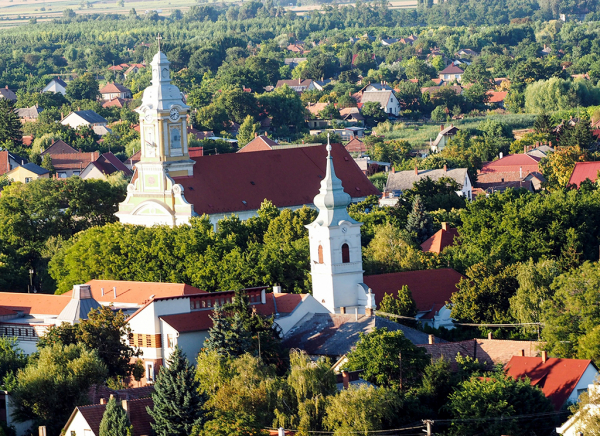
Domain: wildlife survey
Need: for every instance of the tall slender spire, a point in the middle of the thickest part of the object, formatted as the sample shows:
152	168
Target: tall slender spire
332	200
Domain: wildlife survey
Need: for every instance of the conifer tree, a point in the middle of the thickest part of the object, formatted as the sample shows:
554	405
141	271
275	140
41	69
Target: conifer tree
419	221
115	421
177	409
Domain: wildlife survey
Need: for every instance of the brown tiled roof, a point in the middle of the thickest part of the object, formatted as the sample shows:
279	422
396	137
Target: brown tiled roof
260	143
136	292
236	182
73	161
117	101
108	164
356	146
59	147
4	162
488	351
96	392
138	416
111	88
452	69
280	303
27	140
315	108
430	288
496	96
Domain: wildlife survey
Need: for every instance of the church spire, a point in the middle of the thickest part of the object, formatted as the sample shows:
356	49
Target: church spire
332	200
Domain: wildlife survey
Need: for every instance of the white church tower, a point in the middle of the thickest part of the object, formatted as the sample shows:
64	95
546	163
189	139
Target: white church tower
335	250
153	197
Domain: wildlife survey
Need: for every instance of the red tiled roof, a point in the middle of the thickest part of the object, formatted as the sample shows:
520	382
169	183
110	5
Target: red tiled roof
260	143
111	88
496	96
430	288
108	163
27	140
136	292
200	135
195	151
556	377
117	101
59	147
285	303
356	146
34	304
4	162
65	161
441	239
512	162
235	182
136	157
190	322
138	416
96	392
583	171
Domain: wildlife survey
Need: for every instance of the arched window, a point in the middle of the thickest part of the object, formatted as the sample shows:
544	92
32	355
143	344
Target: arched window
320	254
345	253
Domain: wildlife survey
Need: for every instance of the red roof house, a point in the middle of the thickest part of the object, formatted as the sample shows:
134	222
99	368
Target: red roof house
441	239
430	288
561	380
356	146
584	171
59	147
259	143
104	166
514	170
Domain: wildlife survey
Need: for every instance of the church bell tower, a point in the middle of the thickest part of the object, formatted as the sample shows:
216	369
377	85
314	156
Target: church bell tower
335	250
153	197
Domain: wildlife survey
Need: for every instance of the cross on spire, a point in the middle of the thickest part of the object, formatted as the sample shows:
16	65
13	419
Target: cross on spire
158	38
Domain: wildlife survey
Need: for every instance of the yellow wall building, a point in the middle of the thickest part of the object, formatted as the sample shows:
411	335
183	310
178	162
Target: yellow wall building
27	173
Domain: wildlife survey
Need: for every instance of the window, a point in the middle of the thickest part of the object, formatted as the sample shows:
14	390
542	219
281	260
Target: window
170	341
75	173
320	254
28	179
149	341
149	372
62	175
140	340
345	253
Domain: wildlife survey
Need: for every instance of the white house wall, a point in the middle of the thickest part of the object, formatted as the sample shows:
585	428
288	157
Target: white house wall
586	379
79	425
307	305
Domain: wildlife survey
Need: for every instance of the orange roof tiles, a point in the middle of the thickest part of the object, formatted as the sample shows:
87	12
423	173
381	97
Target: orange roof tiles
356	146
441	239
136	292
280	303
496	96
260	143
556	377
34	304
583	171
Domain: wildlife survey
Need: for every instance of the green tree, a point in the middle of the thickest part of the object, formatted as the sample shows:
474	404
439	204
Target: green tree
362	410
49	387
330	112
247	131
439	113
558	166
391	250
284	106
497	396
47	163
12	357
373	113
10	126
228	423
84	87
115	421
419	223
177	408
587	420
388	359
402	304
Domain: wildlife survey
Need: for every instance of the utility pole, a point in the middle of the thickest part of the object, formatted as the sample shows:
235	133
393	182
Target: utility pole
429	424
400	360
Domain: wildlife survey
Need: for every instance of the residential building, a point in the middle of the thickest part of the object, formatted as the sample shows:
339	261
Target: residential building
512	171
386	99
370	167
319	84
356	146
496	98
58	147
400	181
584	171
389	41
85	420
29	113
441	239
56	85
443	138
27	173
87	118
466	52
9	161
133	69
561	380
430	288
103	167
451	73
297	85
259	143
115	102
352	115
8	94
293	62
114	90
489	352
432	90
574	426
72	164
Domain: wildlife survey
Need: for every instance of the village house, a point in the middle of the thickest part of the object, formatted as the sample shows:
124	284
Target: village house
561	380
9	161
103	167
451	73
67	161
115	102
56	85
441	239
512	171
400	181
27	173
8	94
114	90
298	85
29	113
584	171
386	99
86	118
443	138
575	426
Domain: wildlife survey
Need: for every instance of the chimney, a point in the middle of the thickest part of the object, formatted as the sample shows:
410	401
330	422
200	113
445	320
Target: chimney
444	226
102	400
441	127
111	397
525	149
490	335
544	356
42	430
431	340
342	310
125	405
520	172
7	88
368	311
392	169
280	431
445	168
102	291
256	134
299	81
115	291
416	171
277	289
62	116
345	379
501	155
522	354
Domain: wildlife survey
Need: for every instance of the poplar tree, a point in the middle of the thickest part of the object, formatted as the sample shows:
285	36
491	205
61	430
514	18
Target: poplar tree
177	409
419	221
115	421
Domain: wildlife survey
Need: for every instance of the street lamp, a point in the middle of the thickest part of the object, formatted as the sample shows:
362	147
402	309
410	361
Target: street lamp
30	279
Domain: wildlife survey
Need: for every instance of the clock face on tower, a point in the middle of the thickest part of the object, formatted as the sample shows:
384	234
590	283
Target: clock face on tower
174	114
344	229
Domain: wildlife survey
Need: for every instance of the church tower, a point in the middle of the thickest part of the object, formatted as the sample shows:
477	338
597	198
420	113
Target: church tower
335	250
153	197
